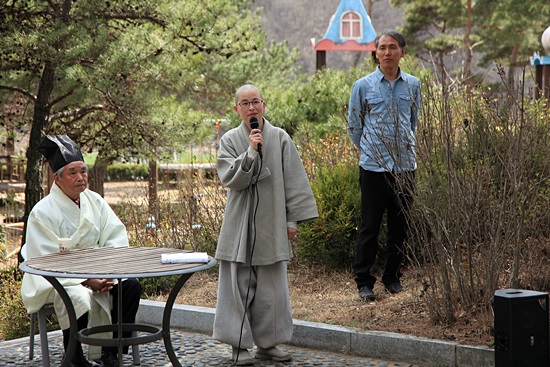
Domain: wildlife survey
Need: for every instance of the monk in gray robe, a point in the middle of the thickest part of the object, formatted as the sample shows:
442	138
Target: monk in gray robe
268	195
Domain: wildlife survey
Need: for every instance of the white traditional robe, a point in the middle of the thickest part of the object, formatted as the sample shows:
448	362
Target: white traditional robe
94	224
284	195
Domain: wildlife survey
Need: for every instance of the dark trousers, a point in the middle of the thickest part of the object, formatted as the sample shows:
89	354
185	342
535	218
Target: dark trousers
131	294
390	193
82	323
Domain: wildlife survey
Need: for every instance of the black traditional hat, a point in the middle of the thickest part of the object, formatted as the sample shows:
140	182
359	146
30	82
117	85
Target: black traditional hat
59	150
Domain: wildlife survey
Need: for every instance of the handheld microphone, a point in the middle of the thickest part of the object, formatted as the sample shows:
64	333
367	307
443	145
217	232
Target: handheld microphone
254	124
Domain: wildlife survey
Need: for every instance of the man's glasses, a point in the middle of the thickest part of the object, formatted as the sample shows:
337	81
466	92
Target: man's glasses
254	103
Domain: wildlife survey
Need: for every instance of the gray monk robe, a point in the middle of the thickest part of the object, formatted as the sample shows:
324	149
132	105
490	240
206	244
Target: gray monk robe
284	195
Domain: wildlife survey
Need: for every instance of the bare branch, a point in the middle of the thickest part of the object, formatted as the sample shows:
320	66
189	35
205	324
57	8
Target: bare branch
25	93
60	98
79	113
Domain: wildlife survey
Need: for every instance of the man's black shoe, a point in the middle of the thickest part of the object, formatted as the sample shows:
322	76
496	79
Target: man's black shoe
394	288
82	364
108	360
366	293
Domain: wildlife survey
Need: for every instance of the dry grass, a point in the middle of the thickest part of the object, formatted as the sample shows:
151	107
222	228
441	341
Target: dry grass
331	298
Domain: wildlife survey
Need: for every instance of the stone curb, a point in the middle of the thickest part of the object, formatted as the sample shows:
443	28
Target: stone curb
370	344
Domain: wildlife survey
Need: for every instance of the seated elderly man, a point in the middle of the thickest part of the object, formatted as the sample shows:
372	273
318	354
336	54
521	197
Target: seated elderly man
83	216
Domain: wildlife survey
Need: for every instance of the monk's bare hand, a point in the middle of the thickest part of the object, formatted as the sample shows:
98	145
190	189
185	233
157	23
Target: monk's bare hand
291	233
255	138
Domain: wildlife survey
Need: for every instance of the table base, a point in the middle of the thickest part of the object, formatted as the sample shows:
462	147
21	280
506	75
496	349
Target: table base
153	334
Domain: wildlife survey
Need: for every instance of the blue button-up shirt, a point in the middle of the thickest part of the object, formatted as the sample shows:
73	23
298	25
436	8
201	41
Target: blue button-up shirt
382	118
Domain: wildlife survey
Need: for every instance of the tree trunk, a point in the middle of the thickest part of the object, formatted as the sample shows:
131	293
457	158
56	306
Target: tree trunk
153	199
96	178
10	141
33	177
153	185
513	65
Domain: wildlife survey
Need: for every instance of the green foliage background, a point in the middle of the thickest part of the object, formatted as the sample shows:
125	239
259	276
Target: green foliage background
329	241
14	322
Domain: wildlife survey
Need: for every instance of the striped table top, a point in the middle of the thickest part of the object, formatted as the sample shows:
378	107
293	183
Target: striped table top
111	263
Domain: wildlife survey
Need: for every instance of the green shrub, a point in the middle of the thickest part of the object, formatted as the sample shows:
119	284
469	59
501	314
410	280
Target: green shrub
14	321
127	172
157	286
330	239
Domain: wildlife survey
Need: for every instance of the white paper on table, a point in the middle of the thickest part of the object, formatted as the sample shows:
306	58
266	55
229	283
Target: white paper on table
186	257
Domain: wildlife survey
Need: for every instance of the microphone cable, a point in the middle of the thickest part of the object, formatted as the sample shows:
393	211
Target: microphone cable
252	269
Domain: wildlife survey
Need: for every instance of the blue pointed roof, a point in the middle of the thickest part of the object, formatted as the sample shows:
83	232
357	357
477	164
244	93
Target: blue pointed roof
333	40
333	31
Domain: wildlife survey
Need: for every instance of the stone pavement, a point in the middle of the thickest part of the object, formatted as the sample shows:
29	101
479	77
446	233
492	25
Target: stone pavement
312	344
193	349
381	346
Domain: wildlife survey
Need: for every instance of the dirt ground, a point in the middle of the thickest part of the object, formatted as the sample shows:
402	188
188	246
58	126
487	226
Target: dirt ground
115	192
332	298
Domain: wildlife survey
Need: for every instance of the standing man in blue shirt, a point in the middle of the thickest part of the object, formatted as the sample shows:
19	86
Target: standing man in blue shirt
383	113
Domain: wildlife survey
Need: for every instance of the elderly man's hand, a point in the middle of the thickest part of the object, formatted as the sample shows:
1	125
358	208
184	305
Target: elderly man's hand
99	285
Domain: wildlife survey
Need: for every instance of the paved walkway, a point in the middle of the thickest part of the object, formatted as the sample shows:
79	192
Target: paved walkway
193	349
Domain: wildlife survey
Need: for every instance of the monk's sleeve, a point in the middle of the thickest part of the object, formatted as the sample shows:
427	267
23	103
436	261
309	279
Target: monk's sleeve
236	171
300	202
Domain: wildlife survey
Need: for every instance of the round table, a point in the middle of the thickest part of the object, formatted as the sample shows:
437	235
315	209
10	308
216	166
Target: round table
115	263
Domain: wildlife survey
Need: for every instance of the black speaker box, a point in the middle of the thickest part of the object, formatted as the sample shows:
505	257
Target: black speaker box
522	332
